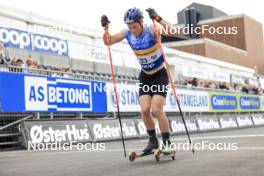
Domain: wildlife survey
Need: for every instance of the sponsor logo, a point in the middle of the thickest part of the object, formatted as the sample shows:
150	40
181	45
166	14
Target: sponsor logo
40	134
189	100
35	42
42	94
102	131
228	122
249	103
244	121
15	38
178	126
126	96
224	102
48	44
208	124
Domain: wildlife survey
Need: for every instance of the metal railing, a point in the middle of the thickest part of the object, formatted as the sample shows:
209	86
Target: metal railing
10	136
52	73
15	122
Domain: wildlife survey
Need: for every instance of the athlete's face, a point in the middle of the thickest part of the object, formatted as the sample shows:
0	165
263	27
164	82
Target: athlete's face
135	28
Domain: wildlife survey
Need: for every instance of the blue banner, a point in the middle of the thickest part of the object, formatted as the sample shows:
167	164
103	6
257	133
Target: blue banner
14	38
45	44
225	102
249	103
26	93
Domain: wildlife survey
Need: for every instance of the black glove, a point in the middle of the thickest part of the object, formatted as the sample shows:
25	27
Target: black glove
104	21
153	14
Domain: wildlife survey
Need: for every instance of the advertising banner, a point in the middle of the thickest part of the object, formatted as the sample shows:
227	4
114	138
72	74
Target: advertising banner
14	38
233	102
177	126
228	121
258	119
54	132
244	120
207	123
24	93
190	100
109	129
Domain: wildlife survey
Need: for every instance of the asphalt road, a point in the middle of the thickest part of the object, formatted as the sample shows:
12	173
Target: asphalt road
245	157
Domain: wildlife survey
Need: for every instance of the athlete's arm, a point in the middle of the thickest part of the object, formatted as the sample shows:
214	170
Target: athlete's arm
111	39
118	37
167	27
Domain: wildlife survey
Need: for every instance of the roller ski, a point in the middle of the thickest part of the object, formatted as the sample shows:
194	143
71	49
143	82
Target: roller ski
153	149
164	153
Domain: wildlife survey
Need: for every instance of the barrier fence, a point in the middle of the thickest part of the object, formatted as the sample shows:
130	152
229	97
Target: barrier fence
43	132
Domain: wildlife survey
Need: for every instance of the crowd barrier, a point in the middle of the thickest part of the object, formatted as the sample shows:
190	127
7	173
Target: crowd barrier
43	132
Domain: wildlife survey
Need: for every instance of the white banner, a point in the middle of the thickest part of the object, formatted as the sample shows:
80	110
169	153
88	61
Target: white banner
99	54
253	82
194	72
109	129
258	119
205	74
237	79
228	122
220	77
190	100
177	125
244	121
127	95
208	123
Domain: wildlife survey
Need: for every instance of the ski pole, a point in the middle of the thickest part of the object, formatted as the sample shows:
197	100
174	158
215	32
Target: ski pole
115	90
171	82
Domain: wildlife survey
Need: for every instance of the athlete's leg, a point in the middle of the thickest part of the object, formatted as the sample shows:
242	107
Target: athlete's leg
145	104
157	103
